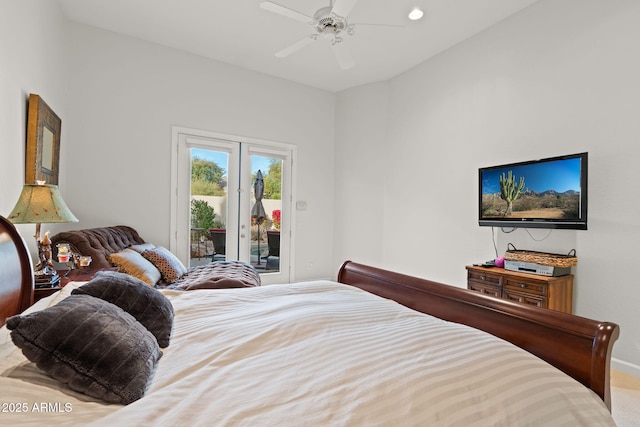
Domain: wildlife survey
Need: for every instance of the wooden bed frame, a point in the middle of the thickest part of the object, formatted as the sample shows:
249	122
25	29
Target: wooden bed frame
16	272
580	347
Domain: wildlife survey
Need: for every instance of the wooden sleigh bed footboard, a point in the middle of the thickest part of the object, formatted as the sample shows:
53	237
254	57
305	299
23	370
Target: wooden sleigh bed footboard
578	346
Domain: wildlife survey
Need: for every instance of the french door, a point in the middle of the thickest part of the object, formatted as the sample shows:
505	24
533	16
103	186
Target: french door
215	196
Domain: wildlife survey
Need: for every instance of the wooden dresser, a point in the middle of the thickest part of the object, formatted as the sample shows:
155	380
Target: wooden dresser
555	293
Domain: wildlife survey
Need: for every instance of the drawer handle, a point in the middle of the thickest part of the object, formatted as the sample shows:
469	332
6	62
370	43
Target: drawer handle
482	278
522	285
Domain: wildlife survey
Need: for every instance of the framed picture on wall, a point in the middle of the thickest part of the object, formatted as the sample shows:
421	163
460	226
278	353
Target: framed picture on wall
43	143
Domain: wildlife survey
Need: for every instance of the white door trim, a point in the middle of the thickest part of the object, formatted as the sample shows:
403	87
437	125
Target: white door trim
179	208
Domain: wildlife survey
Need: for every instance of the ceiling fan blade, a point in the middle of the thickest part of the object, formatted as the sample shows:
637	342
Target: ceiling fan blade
361	24
343	55
351	28
297	46
343	8
284	11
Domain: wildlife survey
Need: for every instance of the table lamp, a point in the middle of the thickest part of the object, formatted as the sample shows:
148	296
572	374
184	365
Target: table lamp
40	203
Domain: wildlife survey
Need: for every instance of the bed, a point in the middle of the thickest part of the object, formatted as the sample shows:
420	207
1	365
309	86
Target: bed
372	348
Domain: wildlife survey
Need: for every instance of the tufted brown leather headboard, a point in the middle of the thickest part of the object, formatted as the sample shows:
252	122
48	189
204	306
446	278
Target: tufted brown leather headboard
98	243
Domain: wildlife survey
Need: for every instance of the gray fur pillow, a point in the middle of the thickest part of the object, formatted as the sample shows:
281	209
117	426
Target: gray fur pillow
143	302
93	346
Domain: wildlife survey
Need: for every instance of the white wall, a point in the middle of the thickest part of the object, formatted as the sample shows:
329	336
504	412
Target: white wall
124	96
32	59
558	78
361	172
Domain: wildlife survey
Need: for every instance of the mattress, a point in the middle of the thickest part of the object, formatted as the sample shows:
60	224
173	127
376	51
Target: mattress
311	354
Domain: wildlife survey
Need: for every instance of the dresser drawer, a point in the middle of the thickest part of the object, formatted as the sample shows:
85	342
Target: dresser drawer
491	290
525	298
526	286
485	278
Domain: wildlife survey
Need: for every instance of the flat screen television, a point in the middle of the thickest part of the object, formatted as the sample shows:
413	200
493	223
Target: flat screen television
546	193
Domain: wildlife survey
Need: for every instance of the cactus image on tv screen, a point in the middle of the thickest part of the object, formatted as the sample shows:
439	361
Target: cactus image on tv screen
549	190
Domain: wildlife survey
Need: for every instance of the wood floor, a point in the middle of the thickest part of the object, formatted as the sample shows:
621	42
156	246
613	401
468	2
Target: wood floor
625	399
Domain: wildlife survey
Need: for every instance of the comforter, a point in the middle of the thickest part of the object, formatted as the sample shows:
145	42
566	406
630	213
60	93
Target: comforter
313	354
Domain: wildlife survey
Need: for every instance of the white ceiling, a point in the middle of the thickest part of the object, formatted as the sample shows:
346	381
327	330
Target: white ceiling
241	33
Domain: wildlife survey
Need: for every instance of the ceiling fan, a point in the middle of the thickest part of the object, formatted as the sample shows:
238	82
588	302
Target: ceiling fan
329	23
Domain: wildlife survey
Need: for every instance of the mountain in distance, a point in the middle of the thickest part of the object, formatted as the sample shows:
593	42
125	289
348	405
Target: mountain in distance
550	193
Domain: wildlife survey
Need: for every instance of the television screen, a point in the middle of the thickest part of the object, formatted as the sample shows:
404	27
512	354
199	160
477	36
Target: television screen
547	193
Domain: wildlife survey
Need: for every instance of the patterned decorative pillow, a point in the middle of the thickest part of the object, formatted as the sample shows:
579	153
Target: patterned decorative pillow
169	265
218	275
131	262
91	345
143	302
142	247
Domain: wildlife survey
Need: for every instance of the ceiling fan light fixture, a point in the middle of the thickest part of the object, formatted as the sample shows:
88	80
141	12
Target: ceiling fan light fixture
416	13
329	34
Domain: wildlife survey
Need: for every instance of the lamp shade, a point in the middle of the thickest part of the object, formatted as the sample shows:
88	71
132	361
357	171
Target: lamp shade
41	204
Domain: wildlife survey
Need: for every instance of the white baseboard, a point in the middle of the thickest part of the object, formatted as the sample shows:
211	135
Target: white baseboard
627	367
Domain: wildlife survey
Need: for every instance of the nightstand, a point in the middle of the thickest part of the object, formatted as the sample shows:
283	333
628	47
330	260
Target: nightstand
81	275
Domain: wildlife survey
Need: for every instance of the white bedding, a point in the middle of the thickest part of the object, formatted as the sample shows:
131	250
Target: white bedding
313	354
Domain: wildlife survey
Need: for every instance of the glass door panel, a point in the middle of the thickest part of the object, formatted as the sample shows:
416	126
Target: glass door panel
266	178
206	179
209	202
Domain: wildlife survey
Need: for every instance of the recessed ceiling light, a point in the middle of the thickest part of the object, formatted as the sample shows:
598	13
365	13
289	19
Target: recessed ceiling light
415	14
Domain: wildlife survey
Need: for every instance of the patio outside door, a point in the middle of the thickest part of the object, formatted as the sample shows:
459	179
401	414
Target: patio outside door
214	179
